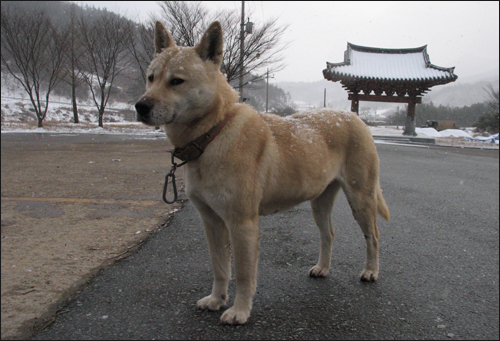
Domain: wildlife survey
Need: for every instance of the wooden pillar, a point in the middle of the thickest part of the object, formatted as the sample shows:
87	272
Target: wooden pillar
355	103
410	118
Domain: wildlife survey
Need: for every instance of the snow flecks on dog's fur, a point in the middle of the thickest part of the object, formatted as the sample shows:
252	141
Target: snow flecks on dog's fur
304	120
169	56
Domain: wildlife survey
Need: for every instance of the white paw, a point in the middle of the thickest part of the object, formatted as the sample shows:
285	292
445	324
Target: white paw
234	316
318	271
369	276
211	303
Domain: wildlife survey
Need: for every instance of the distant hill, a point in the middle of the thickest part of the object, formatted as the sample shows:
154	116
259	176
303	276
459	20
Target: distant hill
308	95
458	94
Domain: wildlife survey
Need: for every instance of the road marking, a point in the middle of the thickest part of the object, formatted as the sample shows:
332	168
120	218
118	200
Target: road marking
402	144
96	201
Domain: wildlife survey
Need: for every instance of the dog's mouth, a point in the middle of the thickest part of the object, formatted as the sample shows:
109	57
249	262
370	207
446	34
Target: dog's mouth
145	119
141	118
148	120
145	114
174	116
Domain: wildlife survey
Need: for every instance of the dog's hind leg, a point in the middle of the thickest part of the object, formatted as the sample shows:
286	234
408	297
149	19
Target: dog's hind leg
364	208
220	256
322	212
368	224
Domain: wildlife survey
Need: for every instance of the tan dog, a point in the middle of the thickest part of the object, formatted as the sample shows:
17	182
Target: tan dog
257	164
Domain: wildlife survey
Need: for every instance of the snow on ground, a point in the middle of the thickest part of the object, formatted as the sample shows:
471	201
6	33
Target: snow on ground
455	132
455	139
448	137
457	135
20	109
431	132
17	116
128	128
17	107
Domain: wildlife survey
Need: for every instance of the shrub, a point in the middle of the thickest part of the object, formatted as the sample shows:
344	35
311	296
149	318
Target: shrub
488	122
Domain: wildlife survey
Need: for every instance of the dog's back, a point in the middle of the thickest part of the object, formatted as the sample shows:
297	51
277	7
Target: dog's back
310	150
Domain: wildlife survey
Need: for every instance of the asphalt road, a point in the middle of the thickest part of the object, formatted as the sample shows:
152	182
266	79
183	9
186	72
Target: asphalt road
439	263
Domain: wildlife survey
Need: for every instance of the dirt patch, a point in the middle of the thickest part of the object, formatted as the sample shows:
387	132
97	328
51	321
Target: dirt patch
68	212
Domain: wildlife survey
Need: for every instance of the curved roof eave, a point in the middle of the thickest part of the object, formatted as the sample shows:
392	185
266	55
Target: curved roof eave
431	81
382	73
386	50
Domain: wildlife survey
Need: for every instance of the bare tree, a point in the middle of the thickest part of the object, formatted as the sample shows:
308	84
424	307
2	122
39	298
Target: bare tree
105	40
32	51
186	21
74	75
493	98
141	46
262	48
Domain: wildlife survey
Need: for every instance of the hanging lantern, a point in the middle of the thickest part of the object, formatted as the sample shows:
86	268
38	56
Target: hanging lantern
249	27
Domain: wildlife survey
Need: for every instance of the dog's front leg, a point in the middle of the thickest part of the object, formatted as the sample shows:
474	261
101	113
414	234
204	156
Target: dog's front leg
245	241
220	256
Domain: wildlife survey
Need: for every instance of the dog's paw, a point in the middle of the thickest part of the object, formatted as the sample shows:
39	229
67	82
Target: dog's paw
234	316
211	303
318	271
369	276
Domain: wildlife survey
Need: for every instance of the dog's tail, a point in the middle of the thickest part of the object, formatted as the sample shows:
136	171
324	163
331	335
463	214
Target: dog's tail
382	208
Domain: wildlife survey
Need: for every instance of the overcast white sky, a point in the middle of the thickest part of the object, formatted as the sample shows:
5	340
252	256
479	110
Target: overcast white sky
463	34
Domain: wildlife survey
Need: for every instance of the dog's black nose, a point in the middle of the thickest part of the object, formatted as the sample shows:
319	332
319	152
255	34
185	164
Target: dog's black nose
143	107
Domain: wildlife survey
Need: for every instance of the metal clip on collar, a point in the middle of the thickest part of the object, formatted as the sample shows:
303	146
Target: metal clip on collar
171	174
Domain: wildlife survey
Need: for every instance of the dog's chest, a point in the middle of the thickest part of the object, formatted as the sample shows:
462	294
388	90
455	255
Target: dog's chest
203	183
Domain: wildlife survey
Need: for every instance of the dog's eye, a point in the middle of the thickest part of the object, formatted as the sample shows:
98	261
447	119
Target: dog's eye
151	78
176	81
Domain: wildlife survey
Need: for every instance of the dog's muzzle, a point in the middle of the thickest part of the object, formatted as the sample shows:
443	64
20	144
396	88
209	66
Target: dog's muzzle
143	108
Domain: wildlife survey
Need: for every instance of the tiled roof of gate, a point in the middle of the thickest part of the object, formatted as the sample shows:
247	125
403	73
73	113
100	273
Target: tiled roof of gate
371	63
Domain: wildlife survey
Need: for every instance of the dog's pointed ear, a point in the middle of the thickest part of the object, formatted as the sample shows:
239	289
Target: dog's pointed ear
211	45
162	38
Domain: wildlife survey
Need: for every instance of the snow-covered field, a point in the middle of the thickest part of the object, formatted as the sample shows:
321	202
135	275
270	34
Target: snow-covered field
444	138
449	137
20	109
17	116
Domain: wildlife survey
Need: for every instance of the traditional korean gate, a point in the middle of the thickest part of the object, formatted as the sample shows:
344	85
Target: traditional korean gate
388	75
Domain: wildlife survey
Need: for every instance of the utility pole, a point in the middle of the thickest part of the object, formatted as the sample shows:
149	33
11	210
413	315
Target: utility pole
324	99
242	48
267	89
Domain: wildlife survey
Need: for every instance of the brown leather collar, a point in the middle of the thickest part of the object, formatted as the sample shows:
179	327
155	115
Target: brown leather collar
194	149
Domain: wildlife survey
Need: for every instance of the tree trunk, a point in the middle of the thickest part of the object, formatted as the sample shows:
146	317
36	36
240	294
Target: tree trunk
73	97
103	101
101	114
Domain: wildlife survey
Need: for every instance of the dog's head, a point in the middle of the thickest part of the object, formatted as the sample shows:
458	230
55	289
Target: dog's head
181	81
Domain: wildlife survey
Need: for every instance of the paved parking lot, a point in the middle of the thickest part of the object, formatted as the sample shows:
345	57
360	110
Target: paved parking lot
72	205
439	253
